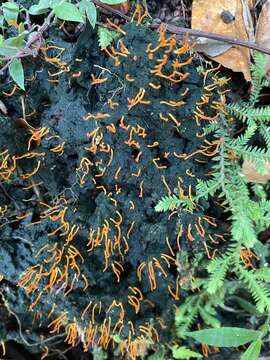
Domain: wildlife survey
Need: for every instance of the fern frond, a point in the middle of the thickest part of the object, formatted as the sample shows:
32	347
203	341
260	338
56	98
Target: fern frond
259	292
217	268
243	111
209	318
239	110
259	114
211	128
257	73
266	83
242	228
173	202
263	274
204	189
251	153
258	67
106	37
244	138
265	133
186	316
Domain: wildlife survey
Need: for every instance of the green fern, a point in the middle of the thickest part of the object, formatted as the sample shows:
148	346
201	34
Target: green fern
259	292
207	188
186	316
247	205
217	268
184	353
245	112
264	131
173	202
209	315
258	73
106	37
263	274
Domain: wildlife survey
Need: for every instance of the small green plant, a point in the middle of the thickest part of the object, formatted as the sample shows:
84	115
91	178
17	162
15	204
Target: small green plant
172	202
181	352
22	38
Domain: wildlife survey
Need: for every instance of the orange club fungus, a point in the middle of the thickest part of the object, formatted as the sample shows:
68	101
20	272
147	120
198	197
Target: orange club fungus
103	266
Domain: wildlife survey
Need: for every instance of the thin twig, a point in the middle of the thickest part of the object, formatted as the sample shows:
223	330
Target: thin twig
2	187
61	335
214	36
112	10
192	32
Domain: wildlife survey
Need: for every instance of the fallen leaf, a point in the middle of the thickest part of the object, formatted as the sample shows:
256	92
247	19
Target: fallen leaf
247	18
263	31
252	175
225	17
212	47
124	7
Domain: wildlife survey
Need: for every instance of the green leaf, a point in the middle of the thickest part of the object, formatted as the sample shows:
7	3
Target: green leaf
91	13
225	336
2	21
88	7
11	6
10	51
54	3
42	7
21	29
113	2
184	353
10	12
37	10
17	73
44	3
69	12
16	41
246	305
253	351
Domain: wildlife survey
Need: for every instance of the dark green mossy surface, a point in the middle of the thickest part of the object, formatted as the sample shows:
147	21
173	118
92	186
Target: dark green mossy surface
61	107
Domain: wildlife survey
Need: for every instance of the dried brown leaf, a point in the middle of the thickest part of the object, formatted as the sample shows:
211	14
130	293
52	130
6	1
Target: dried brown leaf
252	175
263	31
210	17
124	7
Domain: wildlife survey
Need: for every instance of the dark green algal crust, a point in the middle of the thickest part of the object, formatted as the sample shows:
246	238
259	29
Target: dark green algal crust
61	108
